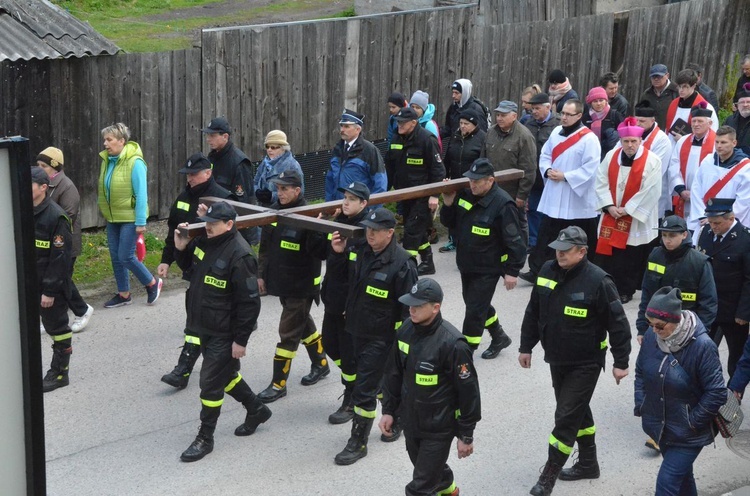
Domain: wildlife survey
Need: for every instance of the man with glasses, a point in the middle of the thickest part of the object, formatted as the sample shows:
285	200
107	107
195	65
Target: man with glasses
740	120
661	93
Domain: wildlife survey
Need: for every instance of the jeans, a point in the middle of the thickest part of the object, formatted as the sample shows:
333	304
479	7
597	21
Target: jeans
121	239
676	473
534	217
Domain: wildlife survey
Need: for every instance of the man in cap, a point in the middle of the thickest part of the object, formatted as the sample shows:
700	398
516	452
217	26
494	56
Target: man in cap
510	145
200	182
740	120
414	160
656	141
628	188
661	93
489	246
223	304
53	248
574	305
462	99
382	272
679	111
727	242
687	155
290	270
354	159
432	362
560	89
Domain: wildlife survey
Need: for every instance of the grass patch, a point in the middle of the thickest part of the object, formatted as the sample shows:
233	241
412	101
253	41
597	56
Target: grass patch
93	265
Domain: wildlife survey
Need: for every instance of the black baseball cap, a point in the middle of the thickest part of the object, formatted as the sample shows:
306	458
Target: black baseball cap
673	223
406	114
220	211
480	169
379	219
196	163
719	206
38	175
288	177
568	238
218	125
424	291
358	189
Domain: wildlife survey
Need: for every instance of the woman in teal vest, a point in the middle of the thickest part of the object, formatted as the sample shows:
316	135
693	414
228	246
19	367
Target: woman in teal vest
123	200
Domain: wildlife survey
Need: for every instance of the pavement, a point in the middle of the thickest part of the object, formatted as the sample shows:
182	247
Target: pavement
118	430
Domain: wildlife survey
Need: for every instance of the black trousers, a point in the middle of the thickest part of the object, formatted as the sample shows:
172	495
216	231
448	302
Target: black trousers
626	267
339	347
75	302
574	386
220	374
417	219
478	290
431	475
736	336
549	228
372	355
295	325
55	321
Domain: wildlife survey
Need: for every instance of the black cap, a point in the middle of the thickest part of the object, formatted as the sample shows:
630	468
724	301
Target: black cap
358	189
38	175
288	177
220	211
471	115
673	223
379	219
701	110
644	109
568	238
397	99
406	114
196	163
719	206
217	125
539	98
666	305
424	291
557	77
481	168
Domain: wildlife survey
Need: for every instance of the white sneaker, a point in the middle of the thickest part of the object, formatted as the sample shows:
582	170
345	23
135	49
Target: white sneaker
80	323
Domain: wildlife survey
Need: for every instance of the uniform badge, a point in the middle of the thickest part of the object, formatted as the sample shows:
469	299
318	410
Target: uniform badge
58	241
238	191
414	289
710	202
665	223
351	185
189	164
372	217
463	371
438	158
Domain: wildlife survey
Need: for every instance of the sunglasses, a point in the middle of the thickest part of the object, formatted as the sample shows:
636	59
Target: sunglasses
272	147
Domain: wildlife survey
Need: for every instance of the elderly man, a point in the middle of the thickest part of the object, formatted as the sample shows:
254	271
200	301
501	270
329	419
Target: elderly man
354	159
510	145
740	120
661	93
656	141
679	111
628	187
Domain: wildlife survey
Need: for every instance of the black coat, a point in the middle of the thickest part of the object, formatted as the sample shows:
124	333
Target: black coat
233	171
742	126
462	151
53	247
414	160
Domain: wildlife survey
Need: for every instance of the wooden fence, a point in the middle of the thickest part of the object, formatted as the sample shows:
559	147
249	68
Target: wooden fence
509	11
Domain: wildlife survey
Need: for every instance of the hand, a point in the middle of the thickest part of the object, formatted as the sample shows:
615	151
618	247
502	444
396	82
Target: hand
612	210
738	395
509	282
162	269
619	374
685	195
237	351
261	286
703	221
464	450
640	340
525	360
433	203
621	211
47	301
338	243
740	321
676	135
140	229
180	242
202	209
449	198
520	203
385	424
555	175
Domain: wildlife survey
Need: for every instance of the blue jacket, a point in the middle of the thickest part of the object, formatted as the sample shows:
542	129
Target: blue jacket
392	128
677	398
741	376
363	162
268	169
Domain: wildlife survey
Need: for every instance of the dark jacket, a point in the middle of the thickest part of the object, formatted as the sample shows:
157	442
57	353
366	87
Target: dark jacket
453	116
741	376
362	163
414	160
462	151
515	149
609	138
620	103
486	231
571	311
678	395
730	261
430	378
709	94
223	297
63	192
378	281
684	268
53	246
571	94
661	103
541	132
184	209
742	126
233	171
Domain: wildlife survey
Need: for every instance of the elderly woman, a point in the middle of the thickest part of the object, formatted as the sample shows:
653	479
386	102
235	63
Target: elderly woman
526	96
123	201
278	159
679	388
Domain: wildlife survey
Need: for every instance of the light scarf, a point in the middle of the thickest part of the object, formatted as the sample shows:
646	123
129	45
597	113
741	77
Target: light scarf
561	90
596	120
681	335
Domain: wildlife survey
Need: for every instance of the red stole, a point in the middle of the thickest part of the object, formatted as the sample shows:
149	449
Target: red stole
706	148
672	110
614	232
574	138
651	137
719	185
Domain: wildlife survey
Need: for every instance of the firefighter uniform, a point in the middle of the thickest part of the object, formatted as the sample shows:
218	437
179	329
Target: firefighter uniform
570	312
53	247
489	245
431	365
223	304
185	209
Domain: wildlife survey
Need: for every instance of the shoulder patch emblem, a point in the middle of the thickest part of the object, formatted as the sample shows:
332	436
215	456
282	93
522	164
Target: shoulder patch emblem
58	241
239	191
463	371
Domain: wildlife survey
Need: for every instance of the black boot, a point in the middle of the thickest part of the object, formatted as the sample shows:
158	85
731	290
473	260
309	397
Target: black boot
319	367
545	484
586	467
356	448
57	376
346	411
257	413
203	445
500	341
277	388
180	376
427	266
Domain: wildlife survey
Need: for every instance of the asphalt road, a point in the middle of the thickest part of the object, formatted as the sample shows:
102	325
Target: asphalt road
118	430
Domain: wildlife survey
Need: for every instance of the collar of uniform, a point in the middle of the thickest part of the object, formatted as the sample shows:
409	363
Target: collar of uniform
485	200
42	206
352	221
220	239
197	190
386	255
431	327
299	202
215	156
566	274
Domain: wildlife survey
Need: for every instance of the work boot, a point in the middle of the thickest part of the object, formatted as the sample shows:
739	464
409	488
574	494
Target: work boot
586	467
395	432
180	376
500	341
277	388
257	413
203	445
346	411
319	367
547	479
356	448
57	375
427	266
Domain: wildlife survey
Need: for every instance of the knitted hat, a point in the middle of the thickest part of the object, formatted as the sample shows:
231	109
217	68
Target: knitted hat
420	98
557	77
629	128
644	109
470	115
457	86
744	93
397	99
596	93
276	137
666	305
700	110
51	156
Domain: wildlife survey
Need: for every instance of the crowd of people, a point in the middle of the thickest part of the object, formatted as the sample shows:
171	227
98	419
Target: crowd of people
615	198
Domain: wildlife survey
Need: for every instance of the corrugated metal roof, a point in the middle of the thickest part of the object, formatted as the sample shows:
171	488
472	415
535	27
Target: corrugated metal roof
38	29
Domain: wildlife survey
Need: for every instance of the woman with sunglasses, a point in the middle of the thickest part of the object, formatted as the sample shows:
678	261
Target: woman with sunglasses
278	159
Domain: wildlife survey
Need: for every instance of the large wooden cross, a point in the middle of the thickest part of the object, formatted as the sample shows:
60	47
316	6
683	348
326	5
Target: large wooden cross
305	217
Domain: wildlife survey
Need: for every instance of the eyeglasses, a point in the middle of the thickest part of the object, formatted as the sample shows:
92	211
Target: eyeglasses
272	147
566	114
659	327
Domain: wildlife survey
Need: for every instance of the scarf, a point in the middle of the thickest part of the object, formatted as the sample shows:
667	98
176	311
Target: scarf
681	335
596	120
561	90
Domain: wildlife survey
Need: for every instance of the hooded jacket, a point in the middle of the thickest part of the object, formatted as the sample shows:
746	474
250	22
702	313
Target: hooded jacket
467	101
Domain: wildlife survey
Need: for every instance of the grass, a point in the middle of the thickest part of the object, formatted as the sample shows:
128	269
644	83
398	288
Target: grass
93	265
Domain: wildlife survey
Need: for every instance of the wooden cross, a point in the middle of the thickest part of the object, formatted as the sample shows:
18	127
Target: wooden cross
305	217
